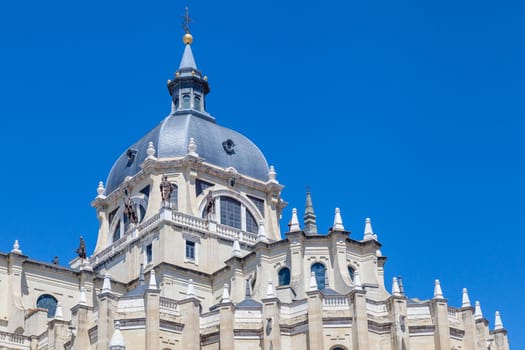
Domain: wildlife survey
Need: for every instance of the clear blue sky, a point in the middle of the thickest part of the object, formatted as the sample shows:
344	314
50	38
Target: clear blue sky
408	112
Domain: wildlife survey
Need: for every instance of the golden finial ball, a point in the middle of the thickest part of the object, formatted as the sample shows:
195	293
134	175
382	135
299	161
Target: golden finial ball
187	38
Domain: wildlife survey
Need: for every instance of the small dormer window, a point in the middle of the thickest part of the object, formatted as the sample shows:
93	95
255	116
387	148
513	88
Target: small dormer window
197	102
186	101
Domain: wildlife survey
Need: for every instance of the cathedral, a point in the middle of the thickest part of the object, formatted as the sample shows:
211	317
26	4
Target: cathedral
190	256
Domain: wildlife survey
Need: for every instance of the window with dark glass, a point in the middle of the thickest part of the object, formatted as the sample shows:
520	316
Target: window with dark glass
149	253
259	203
230	212
320	275
351	272
197	102
116	233
186	101
190	250
251	223
48	302
284	276
201	185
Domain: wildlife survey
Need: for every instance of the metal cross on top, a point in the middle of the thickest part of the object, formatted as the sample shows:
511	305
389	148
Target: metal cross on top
186	20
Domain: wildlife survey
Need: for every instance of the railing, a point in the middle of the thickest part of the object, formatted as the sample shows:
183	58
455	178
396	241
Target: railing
168	303
177	218
14	339
336	301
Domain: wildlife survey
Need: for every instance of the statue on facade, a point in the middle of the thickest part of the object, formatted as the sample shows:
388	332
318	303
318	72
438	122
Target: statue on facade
130	211
209	209
166	189
81	250
55	260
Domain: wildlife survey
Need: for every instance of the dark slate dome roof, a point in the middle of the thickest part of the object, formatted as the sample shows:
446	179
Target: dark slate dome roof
171	138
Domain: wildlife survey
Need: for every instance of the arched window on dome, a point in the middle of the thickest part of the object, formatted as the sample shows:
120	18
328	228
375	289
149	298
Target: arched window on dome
320	275
337	347
284	276
197	102
186	101
49	302
230	212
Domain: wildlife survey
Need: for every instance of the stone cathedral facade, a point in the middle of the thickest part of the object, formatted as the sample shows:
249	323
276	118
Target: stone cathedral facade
190	256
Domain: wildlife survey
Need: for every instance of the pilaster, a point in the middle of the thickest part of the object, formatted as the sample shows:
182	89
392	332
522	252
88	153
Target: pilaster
16	284
442	328
401	339
500	339
226	317
189	309
469	325
81	318
107	304
315	320
357	300
152	308
59	334
271	322
298	279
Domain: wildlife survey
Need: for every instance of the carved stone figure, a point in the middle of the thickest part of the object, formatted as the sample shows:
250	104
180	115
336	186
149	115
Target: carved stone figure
209	209
130	211
81	250
166	189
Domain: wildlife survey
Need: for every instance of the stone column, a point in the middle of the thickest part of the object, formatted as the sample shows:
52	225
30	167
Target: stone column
439	309
357	299
299	279
469	325
500	338
238	284
482	333
189	309
107	303
59	334
16	285
271	321
81	317
226	322
152	308
398	305
315	320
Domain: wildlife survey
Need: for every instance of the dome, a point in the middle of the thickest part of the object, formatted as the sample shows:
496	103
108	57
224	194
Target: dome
216	145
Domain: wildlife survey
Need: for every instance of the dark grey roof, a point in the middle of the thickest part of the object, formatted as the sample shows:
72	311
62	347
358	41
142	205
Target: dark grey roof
329	291
171	138
248	303
138	291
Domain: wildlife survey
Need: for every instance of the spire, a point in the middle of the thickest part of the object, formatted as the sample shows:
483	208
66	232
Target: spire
498	324
478	314
187	61
310	223
225	294
59	313
294	222
313	282
152	280
438	293
16	247
369	233
117	340
261	233
396	291
106	286
236	250
465	300
338	221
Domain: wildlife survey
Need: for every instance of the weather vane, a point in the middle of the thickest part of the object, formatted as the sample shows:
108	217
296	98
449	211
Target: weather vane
186	20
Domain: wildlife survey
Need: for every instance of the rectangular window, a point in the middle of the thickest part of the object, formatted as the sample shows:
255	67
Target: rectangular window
149	253
190	250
